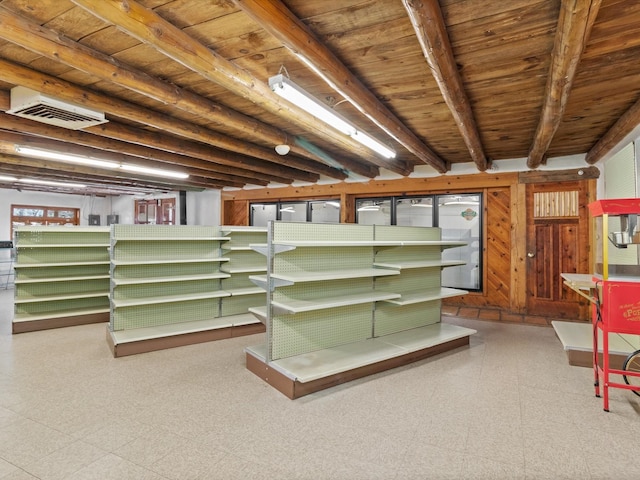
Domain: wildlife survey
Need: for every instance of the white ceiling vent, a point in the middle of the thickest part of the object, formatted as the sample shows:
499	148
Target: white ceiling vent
43	108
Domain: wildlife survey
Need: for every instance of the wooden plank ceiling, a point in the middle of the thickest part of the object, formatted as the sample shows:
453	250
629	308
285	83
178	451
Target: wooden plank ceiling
184	86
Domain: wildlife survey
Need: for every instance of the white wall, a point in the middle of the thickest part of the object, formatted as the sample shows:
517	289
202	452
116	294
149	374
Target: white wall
203	208
87	205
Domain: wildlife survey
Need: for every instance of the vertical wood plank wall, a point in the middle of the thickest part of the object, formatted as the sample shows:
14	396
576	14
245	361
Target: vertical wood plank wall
504	255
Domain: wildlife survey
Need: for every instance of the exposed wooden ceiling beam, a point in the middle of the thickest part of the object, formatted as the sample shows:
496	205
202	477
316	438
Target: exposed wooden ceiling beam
574	27
426	18
55	46
11	123
268	162
621	130
282	24
148	27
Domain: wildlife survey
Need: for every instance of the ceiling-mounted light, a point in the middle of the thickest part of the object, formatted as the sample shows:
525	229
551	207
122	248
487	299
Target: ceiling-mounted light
154	171
51	183
94	162
288	90
65	157
282	149
6	178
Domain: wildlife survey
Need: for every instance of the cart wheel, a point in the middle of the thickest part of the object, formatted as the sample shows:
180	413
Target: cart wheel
632	364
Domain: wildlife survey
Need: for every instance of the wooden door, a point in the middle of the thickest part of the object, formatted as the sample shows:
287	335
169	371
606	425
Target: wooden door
557	242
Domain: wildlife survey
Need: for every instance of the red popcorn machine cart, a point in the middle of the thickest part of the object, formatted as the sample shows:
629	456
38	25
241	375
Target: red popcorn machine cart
616	306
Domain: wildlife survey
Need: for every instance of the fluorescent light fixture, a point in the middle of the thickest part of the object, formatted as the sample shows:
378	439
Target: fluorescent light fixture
65	157
369	208
288	209
154	171
288	90
333	204
94	162
5	178
51	183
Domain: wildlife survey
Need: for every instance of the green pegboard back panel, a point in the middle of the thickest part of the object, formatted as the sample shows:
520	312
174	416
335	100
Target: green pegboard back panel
245	238
54	306
394	318
322	259
65	236
34	256
241	304
34	290
237	280
165	289
121	231
244	258
155	250
70	271
322	290
162	270
291	232
306	332
400	233
408	253
143	316
413	280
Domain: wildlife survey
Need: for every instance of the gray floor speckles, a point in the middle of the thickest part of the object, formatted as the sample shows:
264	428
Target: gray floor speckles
507	407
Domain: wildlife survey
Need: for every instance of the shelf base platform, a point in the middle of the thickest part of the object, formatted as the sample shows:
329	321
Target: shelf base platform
142	340
311	372
23	326
577	341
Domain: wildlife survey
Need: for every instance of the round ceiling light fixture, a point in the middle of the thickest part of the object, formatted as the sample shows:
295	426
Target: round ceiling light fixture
282	149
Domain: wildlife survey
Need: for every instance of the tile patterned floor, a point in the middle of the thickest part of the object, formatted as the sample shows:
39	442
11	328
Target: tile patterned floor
507	407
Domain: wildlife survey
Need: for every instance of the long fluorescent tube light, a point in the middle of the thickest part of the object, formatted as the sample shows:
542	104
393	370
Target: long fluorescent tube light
65	157
154	171
5	178
288	90
52	183
94	162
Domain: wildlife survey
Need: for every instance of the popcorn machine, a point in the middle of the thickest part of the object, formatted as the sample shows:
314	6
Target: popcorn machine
616	308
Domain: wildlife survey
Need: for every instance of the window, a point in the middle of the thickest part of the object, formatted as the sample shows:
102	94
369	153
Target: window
315	211
459	216
39	215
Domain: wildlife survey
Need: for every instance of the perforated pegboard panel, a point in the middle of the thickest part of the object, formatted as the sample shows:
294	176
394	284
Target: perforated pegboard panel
164	314
393	318
411	280
35	273
163	270
316	259
54	307
241	304
408	253
150	232
165	289
399	233
307	332
31	235
30	256
286	231
36	290
244	238
323	290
